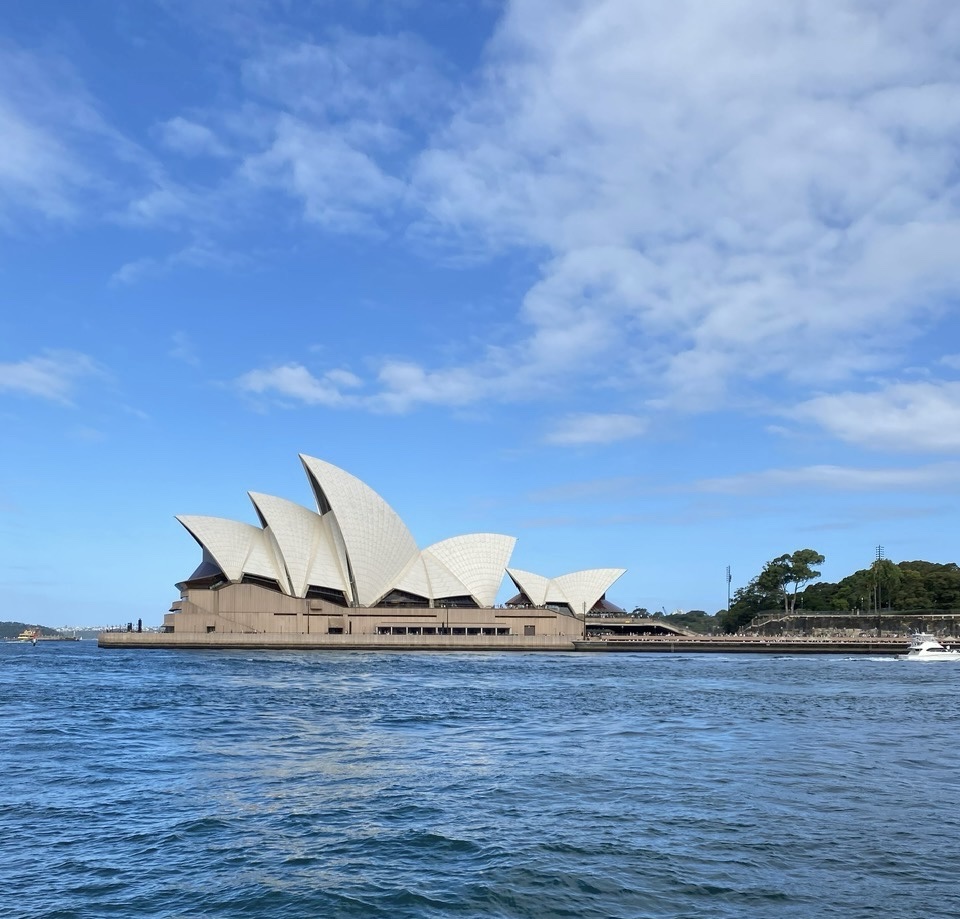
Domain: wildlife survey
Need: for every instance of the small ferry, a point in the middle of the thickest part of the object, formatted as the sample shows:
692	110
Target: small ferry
926	647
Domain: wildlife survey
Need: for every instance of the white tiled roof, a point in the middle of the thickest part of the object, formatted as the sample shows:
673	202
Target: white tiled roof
477	560
582	589
414	580
237	547
357	544
533	585
443	582
306	546
378	543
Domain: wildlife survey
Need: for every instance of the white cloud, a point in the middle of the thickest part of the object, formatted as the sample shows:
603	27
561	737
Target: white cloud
294	381
592	491
402	386
580	429
351	79
60	160
934	476
52	375
341	187
164	204
720	197
198	254
343	378
735	191
906	417
190	138
38	172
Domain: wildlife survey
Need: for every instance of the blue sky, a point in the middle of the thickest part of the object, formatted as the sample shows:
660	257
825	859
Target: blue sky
661	285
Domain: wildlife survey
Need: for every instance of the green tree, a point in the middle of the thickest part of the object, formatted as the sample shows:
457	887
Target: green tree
887	579
777	585
786	573
747	602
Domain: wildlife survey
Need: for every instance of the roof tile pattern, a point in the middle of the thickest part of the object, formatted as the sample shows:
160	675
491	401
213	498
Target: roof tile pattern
238	548
305	544
379	545
533	585
579	590
443	582
414	580
582	589
477	560
358	545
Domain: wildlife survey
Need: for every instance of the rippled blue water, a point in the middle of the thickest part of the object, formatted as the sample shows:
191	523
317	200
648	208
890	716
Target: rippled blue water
289	784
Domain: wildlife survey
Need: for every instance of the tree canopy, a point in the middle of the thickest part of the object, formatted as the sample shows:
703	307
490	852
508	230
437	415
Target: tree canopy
885	585
777	584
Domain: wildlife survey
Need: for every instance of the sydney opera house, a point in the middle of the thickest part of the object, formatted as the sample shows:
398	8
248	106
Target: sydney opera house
349	573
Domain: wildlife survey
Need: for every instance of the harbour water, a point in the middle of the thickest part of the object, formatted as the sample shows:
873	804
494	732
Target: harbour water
349	784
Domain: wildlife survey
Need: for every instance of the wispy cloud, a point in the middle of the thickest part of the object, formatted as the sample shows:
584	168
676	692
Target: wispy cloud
718	197
296	382
745	201
837	478
735	190
60	159
190	138
588	428
52	375
197	254
341	187
902	417
594	490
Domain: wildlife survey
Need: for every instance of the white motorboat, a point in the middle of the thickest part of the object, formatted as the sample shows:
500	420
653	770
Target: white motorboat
925	647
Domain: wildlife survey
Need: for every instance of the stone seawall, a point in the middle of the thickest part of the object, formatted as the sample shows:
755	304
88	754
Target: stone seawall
239	641
300	642
742	645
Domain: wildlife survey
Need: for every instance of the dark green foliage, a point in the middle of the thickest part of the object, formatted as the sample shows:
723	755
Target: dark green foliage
777	585
696	620
885	585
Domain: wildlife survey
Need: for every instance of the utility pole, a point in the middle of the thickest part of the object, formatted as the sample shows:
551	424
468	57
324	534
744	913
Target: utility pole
729	579
877	589
876	577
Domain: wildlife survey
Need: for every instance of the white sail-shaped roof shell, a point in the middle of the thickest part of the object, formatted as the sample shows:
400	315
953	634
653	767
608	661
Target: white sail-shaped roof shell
414	580
378	544
428	578
533	585
443	582
309	552
581	589
477	560
238	548
358	546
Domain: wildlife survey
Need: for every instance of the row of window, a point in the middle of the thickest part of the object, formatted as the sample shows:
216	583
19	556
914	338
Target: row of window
443	630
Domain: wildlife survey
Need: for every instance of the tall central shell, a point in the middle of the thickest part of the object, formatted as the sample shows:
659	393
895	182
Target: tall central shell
379	547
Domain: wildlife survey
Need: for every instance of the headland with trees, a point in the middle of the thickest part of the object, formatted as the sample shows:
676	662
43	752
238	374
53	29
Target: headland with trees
786	585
